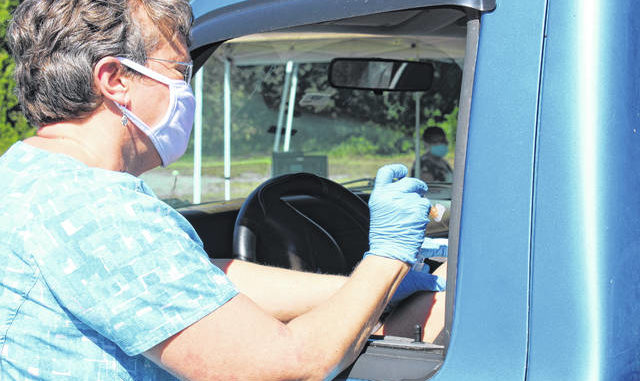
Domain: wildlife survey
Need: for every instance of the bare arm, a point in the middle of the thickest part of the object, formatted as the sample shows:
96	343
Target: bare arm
242	341
285	294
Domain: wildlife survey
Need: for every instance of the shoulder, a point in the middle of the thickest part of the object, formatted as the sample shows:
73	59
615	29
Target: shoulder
115	204
64	196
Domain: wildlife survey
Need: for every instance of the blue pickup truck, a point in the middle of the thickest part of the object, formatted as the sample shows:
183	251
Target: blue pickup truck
543	207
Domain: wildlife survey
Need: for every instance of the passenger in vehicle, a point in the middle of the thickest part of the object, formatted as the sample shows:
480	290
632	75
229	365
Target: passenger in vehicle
422	306
101	280
433	166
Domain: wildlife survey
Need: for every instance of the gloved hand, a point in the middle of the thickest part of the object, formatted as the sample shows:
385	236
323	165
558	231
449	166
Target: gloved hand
399	214
417	281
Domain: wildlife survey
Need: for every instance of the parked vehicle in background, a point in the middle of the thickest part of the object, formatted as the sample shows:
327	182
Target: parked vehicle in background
543	225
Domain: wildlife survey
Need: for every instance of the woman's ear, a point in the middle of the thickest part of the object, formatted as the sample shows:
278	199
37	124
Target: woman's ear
109	79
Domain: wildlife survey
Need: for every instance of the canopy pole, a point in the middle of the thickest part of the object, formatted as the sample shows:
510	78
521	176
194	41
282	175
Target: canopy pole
197	139
227	130
292	105
417	172
283	104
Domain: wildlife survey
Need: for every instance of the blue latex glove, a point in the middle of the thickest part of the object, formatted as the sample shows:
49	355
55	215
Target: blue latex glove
399	214
417	281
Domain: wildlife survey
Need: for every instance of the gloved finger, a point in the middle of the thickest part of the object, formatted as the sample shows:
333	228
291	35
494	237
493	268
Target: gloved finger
410	185
415	201
441	284
426	204
387	173
416	281
430	282
424	281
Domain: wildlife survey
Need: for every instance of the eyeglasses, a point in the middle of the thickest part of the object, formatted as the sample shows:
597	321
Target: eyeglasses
187	73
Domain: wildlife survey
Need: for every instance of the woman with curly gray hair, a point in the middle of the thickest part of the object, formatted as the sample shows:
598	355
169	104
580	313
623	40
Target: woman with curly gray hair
101	280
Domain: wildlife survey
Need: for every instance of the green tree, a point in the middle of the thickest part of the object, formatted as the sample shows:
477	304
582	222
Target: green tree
394	110
350	122
13	125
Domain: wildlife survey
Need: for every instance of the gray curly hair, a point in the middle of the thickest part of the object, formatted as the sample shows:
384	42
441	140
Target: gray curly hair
57	43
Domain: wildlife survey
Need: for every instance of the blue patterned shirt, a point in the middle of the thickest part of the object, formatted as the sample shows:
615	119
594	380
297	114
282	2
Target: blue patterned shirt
94	270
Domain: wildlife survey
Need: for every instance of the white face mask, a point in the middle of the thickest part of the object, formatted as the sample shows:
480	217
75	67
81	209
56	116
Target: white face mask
171	135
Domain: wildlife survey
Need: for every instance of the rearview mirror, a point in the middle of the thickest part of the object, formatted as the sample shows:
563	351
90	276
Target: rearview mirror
380	74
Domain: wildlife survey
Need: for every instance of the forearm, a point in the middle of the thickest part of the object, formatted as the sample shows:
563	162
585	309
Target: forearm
340	327
315	345
285	294
335	319
329	315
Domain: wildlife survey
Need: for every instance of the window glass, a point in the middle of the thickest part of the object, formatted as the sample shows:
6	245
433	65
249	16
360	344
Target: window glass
342	134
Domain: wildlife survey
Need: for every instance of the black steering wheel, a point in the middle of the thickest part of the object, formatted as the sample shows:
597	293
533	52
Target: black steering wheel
303	222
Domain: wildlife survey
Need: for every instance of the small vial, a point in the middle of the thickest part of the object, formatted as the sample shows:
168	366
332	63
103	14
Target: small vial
436	212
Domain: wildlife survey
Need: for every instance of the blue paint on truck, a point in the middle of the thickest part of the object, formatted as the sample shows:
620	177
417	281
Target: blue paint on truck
547	240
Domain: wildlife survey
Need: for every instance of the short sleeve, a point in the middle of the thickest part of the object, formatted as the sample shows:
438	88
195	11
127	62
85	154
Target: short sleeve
126	264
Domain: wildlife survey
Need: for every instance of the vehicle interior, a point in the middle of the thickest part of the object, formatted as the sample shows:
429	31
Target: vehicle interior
291	128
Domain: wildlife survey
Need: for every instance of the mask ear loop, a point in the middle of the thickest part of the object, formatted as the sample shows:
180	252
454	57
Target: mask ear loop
124	120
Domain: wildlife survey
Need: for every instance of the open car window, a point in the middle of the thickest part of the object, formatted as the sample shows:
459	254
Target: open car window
286	101
272	104
272	92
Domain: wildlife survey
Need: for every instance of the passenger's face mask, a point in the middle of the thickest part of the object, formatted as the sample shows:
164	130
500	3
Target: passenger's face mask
170	136
439	150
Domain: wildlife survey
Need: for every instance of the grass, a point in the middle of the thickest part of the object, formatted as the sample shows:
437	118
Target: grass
350	167
248	173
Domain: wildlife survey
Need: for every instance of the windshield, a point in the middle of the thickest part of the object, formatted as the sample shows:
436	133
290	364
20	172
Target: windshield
271	94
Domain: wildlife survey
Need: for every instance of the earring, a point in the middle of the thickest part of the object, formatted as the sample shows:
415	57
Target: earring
124	120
